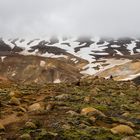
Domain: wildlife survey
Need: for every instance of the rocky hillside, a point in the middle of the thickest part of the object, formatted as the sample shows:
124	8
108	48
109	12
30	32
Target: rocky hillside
137	80
75	57
34	69
90	109
127	71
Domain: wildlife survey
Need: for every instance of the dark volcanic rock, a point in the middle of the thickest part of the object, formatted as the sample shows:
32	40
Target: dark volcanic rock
137	80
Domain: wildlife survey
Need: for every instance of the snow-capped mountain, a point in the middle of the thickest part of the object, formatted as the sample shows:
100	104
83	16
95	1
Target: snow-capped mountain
90	56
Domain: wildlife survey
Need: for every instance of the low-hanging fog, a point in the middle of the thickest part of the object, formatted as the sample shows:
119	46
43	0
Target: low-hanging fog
37	18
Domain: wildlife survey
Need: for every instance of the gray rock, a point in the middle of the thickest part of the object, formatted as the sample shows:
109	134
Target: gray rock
72	113
62	97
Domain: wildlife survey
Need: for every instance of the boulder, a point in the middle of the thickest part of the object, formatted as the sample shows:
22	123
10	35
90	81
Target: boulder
30	125
91	111
72	113
62	97
14	101
25	137
122	129
35	107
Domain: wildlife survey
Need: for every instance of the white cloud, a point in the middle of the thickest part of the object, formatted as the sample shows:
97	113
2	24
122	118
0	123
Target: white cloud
73	17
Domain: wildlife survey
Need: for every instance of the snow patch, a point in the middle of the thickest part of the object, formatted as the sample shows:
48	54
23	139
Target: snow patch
131	46
51	55
8	42
13	74
118	52
115	46
130	77
138	50
57	81
103	64
42	63
2	58
74	60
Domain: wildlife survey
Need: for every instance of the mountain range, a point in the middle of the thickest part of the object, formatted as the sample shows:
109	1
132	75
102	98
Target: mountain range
66	59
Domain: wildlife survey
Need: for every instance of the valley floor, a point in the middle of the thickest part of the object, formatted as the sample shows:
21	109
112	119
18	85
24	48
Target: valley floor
91	109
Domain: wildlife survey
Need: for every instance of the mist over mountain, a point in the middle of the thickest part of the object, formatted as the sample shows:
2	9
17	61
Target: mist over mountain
35	18
93	37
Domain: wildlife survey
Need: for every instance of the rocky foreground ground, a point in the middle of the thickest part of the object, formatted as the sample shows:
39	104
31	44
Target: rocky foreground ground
90	109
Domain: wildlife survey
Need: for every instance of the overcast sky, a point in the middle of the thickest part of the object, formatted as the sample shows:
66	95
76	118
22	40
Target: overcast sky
36	18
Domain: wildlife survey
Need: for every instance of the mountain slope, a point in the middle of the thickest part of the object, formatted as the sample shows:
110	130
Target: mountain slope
88	55
127	71
27	69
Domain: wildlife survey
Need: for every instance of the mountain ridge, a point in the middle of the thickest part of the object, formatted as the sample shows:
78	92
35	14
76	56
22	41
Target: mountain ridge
98	54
